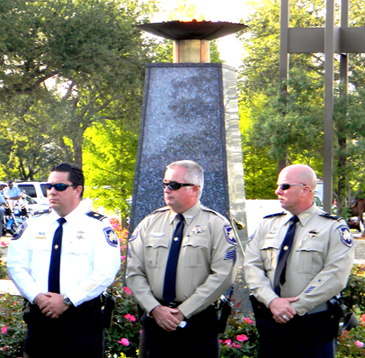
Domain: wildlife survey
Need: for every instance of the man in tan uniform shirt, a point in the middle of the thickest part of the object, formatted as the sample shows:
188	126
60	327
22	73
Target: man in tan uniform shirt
298	322
205	269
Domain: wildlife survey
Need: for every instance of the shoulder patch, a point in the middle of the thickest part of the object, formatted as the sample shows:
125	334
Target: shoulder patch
229	234
18	234
346	236
41	212
135	233
332	217
111	236
273	215
96	215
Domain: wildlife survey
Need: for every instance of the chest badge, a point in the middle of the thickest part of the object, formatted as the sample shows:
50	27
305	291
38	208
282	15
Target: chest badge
80	234
313	233
41	236
198	229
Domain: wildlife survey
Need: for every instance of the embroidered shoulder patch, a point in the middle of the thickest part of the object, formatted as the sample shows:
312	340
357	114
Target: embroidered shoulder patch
251	237
346	236
231	255
273	215
110	236
229	234
96	215
18	234
135	233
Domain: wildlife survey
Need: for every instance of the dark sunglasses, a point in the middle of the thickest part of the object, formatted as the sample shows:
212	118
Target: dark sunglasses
173	185
287	186
58	186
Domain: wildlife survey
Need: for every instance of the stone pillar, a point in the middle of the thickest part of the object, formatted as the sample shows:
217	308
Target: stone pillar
190	111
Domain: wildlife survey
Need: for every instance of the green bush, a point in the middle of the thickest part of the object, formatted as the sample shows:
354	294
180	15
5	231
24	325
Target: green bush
353	295
240	340
12	327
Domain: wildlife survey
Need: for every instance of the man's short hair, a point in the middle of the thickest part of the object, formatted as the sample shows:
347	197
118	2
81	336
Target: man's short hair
194	173
75	174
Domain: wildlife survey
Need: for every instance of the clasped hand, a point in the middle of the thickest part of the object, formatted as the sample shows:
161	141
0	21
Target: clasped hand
282	310
167	318
51	304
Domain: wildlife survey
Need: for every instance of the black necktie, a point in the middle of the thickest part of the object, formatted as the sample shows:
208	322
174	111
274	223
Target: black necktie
283	255
54	267
170	274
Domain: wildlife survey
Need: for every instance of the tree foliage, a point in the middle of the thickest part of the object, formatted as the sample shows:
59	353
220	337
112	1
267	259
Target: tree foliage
291	125
66	65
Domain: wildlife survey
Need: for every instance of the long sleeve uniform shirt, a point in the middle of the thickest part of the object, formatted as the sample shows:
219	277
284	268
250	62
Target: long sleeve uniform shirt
90	256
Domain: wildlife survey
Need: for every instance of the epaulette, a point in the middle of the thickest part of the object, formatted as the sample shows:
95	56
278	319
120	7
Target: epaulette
41	212
204	208
330	216
277	214
160	210
96	215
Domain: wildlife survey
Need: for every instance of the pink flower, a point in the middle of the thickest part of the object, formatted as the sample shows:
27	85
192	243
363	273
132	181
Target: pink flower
3	243
123	257
127	290
248	320
359	344
130	318
4	329
227	342
363	317
236	345
220	341
242	338
124	341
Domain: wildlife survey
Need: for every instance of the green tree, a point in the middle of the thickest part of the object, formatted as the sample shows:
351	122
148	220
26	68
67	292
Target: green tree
292	125
79	61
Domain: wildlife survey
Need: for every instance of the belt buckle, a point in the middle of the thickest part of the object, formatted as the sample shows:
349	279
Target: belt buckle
172	304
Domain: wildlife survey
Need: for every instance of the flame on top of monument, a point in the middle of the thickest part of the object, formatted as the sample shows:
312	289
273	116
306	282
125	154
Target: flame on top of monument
192	30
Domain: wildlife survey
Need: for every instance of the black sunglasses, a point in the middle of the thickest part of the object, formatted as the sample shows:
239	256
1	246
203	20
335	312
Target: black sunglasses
287	186
58	186
174	185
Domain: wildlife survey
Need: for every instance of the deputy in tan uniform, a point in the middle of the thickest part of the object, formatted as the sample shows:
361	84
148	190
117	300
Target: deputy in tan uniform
293	314
205	269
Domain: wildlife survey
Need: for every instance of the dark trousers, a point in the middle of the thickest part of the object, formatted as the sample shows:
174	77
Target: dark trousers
197	340
79	332
308	336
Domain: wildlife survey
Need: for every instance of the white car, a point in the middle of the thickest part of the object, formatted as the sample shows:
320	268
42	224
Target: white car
36	190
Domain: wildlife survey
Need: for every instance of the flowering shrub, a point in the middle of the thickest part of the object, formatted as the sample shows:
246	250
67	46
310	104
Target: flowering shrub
353	296
12	327
240	340
123	336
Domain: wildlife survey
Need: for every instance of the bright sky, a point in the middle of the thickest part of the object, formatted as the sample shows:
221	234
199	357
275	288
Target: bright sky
217	10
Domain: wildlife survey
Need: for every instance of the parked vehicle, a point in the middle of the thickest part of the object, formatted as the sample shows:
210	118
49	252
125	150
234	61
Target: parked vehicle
15	214
36	190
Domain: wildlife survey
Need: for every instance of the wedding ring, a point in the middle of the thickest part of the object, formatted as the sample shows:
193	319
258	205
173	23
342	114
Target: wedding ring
285	317
49	314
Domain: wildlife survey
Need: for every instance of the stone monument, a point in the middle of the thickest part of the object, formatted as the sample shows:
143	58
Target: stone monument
190	111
